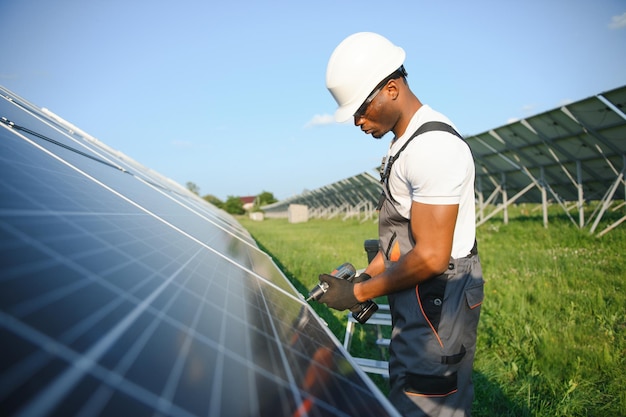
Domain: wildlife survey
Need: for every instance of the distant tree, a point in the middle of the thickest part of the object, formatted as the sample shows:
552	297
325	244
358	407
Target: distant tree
233	205
193	188
213	200
263	199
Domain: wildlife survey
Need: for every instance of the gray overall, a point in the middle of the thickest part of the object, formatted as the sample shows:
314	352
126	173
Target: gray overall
434	328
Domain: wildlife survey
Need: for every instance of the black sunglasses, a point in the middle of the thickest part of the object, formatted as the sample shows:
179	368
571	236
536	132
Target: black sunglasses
400	72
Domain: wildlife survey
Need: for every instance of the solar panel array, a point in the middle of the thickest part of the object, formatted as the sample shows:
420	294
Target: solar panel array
352	192
123	294
576	152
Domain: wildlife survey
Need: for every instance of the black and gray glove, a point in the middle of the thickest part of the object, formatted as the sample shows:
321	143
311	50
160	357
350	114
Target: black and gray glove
360	278
340	293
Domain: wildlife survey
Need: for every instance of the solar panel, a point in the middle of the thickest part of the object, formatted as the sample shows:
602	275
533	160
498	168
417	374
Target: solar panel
349	192
123	294
578	145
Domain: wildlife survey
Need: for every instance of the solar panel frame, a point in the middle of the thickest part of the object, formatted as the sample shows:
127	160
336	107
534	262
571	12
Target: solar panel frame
577	147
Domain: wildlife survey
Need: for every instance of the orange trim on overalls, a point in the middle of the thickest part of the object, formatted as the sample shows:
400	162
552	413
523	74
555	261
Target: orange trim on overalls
395	252
419	301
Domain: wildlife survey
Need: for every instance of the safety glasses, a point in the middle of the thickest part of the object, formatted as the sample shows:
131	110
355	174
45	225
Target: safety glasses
400	72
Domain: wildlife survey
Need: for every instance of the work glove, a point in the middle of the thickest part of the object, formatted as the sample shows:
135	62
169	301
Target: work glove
340	293
361	277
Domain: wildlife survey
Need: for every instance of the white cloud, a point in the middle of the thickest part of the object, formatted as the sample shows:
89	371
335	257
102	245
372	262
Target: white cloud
320	120
526	109
618	22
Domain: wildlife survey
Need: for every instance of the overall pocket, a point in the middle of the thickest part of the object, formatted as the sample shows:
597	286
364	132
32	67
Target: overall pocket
474	295
430	296
431	385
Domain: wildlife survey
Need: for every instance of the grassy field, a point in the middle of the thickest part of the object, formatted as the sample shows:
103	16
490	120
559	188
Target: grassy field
552	336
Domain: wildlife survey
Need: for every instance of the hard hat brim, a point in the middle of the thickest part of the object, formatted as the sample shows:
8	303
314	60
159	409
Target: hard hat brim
345	113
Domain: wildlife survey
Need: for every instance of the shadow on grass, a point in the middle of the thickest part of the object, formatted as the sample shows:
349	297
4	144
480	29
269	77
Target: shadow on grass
536	217
490	400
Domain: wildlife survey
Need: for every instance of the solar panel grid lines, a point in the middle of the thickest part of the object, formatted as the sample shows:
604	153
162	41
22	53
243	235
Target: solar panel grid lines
120	295
54	137
551	144
168	392
72	141
283	358
133	202
67	381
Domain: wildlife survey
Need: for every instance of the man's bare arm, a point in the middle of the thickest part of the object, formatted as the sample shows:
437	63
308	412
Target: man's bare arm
432	227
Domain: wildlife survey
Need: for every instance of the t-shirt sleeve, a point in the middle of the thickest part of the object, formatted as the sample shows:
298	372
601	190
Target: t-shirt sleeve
438	169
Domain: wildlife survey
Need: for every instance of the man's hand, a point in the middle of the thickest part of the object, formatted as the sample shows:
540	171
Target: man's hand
340	293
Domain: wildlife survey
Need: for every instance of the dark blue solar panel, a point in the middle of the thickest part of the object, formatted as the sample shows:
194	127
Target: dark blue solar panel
123	294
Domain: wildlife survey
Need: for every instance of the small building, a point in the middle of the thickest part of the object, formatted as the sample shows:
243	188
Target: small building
248	202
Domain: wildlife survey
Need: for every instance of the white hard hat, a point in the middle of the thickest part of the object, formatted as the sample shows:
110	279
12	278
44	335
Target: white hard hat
357	65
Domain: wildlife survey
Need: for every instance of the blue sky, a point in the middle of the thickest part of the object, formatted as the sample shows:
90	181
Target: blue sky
231	94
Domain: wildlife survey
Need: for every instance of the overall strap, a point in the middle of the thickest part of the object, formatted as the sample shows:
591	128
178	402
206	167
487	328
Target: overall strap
426	127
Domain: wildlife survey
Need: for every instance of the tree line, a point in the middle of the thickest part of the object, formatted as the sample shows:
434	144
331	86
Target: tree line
233	204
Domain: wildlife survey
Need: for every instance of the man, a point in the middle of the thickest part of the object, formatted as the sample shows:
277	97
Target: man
427	262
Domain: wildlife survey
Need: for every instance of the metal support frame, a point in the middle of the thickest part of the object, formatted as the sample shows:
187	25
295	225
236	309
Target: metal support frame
515	154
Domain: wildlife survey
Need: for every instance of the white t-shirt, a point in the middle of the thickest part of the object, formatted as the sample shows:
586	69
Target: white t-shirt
435	168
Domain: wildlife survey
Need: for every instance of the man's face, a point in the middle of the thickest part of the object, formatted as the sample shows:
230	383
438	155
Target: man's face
373	116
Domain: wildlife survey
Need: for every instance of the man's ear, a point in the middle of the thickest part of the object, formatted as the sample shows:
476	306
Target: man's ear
393	89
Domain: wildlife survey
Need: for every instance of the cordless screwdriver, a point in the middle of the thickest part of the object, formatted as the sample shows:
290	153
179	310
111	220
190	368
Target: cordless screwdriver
348	272
343	271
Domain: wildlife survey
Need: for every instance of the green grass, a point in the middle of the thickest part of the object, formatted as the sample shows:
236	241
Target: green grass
552	336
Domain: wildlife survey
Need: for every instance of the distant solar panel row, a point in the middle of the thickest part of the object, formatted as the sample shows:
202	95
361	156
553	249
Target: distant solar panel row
352	191
582	144
122	294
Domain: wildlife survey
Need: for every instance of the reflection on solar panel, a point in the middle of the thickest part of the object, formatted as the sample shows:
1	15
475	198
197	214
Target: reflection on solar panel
123	294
